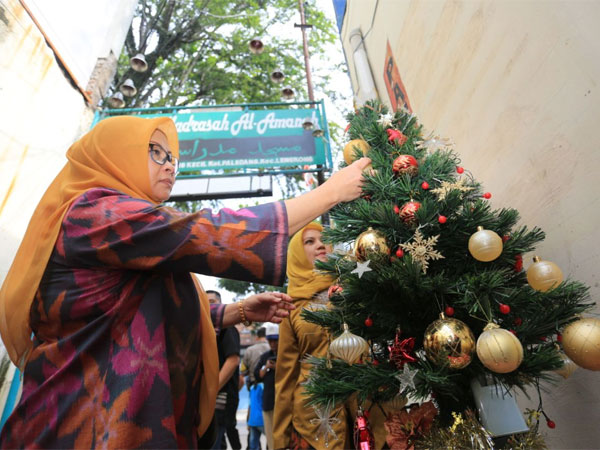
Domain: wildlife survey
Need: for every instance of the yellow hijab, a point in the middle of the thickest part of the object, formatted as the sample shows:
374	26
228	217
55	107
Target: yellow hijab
303	281
114	154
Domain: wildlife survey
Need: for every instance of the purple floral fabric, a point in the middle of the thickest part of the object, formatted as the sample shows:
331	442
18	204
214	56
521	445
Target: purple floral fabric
116	320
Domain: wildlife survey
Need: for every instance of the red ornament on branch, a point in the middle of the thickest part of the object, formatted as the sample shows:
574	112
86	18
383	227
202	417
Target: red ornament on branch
424	185
407	212
487	195
399	253
459	169
405	164
442	219
518	263
363	436
401	352
368	322
504	309
334	289
449	311
396	136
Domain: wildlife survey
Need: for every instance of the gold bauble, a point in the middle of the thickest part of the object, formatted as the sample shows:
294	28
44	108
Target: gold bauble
485	245
567	368
348	346
350	149
498	349
449	342
581	342
543	275
371	244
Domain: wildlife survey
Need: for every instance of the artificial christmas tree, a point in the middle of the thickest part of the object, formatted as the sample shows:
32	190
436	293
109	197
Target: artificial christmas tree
432	278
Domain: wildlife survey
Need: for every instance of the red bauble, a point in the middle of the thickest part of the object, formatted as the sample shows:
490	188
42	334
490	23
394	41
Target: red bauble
442	219
487	195
559	337
459	169
425	185
399	253
504	309
407	212
550	424
363	437
396	209
518	321
405	164
396	136
449	310
505	238
513	332
333	290
368	322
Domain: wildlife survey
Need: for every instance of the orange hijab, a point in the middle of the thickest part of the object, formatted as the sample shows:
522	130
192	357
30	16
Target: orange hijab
303	281
114	154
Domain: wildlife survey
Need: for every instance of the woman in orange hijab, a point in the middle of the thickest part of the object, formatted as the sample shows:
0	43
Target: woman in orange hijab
99	309
295	424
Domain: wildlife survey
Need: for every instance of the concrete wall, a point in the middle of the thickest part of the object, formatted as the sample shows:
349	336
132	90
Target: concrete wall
514	84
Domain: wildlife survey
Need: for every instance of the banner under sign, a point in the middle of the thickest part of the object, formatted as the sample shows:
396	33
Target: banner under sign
248	138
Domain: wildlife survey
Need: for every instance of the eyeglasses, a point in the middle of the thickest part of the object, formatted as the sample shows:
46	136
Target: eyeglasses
160	156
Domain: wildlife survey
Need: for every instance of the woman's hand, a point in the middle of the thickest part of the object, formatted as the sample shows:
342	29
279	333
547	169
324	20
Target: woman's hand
342	186
265	307
346	184
268	307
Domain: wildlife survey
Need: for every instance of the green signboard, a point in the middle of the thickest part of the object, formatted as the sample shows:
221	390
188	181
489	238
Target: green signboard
247	138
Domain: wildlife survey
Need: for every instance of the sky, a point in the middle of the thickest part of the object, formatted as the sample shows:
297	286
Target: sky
334	113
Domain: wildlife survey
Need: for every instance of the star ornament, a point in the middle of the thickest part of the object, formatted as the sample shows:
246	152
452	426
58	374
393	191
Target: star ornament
406	378
385	120
362	267
421	250
325	422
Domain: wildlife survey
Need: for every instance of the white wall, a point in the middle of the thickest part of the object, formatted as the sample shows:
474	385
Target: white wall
41	113
515	85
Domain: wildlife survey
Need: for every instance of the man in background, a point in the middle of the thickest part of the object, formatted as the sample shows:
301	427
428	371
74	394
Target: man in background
228	344
265	372
249	362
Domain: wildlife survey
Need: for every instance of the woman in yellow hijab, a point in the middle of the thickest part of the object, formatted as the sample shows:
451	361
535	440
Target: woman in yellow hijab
113	334
294	424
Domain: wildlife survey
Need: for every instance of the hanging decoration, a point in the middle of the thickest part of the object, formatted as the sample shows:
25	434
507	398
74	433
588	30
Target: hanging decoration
421	250
396	136
348	346
371	244
567	368
407	212
498	349
363	436
405	426
485	245
325	422
351	147
385	120
450	342
405	165
543	275
446	187
361	268
581	342
401	351
435	143
406	378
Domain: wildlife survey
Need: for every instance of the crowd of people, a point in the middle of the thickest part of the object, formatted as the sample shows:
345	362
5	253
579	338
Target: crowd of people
116	340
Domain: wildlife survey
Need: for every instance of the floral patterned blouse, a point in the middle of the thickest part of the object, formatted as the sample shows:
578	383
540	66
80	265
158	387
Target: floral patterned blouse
116	320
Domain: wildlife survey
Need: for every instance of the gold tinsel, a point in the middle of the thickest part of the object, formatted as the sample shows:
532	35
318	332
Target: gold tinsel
467	432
